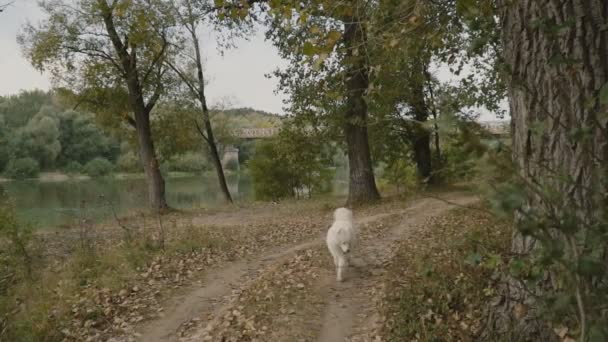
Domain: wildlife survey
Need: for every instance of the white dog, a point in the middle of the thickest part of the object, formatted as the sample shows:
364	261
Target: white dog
340	239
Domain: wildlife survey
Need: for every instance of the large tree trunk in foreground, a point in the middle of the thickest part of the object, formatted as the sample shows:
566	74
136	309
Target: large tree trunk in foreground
556	70
362	185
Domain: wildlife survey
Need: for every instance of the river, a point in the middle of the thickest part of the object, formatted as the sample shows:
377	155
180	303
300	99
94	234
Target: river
52	204
47	204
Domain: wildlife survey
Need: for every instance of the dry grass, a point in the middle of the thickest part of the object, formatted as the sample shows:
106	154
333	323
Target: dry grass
437	288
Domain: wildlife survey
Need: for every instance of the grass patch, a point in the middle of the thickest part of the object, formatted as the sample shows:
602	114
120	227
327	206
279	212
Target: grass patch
441	283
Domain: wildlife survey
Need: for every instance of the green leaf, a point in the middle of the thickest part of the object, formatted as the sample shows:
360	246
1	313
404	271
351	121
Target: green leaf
589	266
473	259
308	49
333	36
603	96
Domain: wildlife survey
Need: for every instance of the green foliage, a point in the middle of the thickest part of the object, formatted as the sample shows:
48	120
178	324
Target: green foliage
22	168
271	178
73	167
128	162
15	238
292	164
98	167
189	162
53	135
402	175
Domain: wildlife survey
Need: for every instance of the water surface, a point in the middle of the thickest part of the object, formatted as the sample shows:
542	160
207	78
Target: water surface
51	204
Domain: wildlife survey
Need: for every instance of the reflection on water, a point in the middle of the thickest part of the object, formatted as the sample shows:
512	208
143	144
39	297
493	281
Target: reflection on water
48	204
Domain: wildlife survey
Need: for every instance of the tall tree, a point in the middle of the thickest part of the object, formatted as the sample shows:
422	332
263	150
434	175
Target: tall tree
191	17
335	32
556	54
94	45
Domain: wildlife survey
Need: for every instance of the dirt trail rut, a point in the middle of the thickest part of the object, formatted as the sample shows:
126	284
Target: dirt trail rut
346	304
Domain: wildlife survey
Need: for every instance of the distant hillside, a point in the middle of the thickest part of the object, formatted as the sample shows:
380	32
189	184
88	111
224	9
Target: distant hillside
247	118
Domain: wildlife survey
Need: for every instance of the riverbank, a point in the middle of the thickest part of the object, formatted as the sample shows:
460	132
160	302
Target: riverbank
56	176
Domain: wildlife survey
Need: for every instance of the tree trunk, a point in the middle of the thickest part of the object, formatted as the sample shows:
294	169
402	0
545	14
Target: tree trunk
421	137
422	154
215	157
155	180
557	54
210	138
200	93
141	110
362	185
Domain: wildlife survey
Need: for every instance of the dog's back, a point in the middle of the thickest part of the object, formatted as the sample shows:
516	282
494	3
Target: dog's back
340	237
341	232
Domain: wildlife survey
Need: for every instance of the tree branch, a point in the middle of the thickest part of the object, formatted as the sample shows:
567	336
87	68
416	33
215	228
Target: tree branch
155	60
200	131
183	77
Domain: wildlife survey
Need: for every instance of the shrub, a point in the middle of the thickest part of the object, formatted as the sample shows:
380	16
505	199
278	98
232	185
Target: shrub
22	168
73	167
294	163
18	237
189	162
401	174
128	162
98	167
271	178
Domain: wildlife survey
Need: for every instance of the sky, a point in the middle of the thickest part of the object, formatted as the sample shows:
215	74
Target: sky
236	76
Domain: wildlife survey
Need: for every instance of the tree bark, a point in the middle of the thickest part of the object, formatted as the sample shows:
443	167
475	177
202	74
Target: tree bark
422	154
554	76
421	137
362	185
155	180
141	110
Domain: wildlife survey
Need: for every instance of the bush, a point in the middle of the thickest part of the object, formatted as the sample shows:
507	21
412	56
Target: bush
128	162
98	167
73	167
401	174
294	163
271	178
189	162
22	168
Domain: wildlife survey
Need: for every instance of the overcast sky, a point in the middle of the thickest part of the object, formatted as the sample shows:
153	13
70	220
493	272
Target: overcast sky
237	77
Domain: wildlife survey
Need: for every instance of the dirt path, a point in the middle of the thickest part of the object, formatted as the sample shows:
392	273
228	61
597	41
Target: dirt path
346	302
349	306
202	300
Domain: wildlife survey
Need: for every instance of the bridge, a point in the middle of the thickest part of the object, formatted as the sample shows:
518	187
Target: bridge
497	128
231	153
256	133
